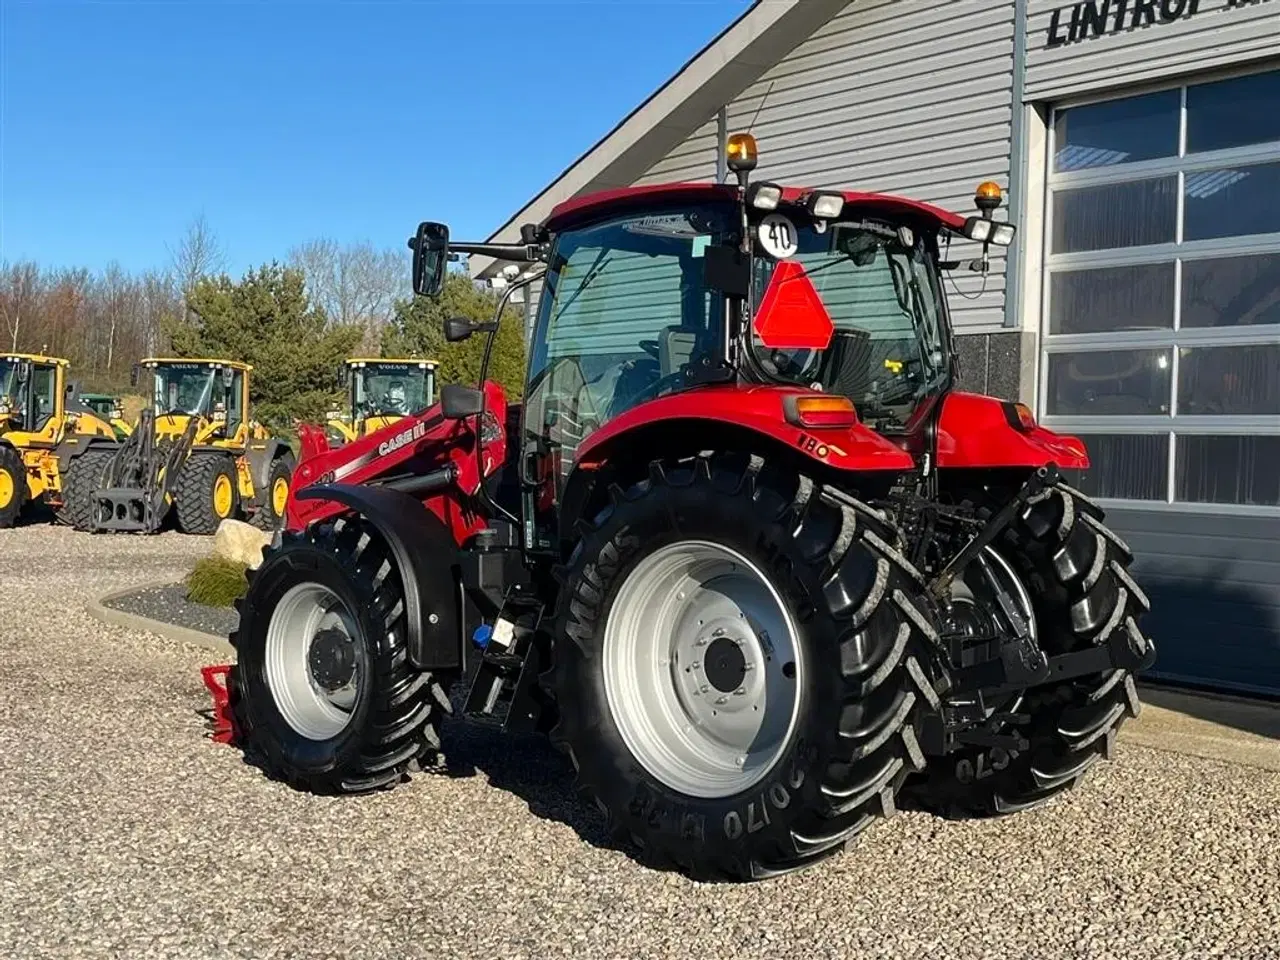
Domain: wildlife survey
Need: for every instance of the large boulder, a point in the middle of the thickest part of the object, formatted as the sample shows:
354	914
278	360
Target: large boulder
240	542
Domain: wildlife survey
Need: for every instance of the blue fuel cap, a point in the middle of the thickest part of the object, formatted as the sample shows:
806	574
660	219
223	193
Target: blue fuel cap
482	635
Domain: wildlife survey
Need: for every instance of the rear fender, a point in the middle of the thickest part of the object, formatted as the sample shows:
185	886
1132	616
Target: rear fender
760	409
426	555
977	432
741	418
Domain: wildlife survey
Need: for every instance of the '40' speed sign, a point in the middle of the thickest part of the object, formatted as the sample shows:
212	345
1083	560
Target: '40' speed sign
778	236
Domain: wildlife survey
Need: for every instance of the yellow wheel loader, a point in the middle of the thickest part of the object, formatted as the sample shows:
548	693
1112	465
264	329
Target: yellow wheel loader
43	428
380	391
194	451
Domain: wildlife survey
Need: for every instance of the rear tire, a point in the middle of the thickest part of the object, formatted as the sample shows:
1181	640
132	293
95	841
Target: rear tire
859	687
13	485
1077	571
394	712
206	493
80	486
271	513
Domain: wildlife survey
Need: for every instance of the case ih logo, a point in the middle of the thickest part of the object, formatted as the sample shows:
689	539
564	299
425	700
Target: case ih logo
417	432
1094	18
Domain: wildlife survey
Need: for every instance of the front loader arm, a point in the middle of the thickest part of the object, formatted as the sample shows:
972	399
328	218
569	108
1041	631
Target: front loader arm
427	454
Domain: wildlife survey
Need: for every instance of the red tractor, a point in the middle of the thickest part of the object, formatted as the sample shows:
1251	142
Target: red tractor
744	552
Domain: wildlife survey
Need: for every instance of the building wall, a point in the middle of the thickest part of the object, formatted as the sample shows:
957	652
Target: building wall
1076	48
884	98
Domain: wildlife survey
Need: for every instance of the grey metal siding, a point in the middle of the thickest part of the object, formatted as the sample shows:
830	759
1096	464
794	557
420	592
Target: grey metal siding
1214	583
884	98
1217	34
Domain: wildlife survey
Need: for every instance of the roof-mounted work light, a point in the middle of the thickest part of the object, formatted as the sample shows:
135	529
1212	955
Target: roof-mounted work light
764	196
824	206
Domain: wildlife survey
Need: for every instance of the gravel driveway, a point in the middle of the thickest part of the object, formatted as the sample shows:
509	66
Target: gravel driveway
123	832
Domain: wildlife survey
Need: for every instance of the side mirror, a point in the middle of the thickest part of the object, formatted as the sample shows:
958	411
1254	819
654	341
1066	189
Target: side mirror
457	329
228	376
458	401
133	375
24	371
430	255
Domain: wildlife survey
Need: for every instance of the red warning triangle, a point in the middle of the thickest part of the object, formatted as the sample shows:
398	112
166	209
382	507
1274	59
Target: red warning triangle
791	315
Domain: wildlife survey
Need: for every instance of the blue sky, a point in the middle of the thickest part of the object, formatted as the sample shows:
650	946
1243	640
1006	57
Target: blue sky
286	120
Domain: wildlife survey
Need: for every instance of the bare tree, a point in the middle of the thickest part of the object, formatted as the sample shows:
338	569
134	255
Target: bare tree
19	298
355	284
198	254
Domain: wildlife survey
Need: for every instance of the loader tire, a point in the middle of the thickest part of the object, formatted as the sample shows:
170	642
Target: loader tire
276	493
13	485
85	476
1077	572
857	689
390	721
206	493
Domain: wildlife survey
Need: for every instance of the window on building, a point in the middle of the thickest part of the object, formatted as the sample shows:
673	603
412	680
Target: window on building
1162	291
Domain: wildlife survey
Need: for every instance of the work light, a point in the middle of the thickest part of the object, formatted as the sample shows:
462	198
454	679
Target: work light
1002	235
764	195
825	206
979	229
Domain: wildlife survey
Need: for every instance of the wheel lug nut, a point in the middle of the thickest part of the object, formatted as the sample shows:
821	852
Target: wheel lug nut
695	665
748	666
741	761
703	689
718	632
722	699
740	692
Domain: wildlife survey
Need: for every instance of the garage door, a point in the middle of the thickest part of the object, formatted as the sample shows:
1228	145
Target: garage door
1161	347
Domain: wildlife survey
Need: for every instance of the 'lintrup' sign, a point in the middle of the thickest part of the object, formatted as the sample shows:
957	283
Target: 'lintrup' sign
1094	18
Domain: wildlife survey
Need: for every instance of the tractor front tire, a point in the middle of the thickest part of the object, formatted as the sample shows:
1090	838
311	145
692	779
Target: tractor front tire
777	592
275	495
1077	572
293	714
80	485
206	493
13	485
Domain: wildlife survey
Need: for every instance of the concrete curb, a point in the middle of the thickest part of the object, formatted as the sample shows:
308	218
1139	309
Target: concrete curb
171	631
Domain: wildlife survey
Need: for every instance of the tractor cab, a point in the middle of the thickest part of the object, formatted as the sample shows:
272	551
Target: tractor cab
31	392
381	391
212	393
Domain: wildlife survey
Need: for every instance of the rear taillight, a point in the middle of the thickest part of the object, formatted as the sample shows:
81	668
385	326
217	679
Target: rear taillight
1020	417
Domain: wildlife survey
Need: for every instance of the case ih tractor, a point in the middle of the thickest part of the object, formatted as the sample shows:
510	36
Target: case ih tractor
43	429
747	556
380	391
194	449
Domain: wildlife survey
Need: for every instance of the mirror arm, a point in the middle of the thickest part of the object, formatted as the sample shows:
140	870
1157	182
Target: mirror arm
521	253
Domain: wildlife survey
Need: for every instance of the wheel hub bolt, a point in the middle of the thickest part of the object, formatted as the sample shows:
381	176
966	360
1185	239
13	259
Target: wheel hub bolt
695	665
722	699
741	761
740	692
718	632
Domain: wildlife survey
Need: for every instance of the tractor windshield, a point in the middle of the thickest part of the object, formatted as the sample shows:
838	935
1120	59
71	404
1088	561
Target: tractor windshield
879	283
391	389
185	389
10	386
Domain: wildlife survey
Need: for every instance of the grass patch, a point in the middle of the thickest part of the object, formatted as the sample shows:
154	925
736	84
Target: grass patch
217	582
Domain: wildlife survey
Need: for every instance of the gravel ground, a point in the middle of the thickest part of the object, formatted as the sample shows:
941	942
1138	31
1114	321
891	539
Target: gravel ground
169	604
125	832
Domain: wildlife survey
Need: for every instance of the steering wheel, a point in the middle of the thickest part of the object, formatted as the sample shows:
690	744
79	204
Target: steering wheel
650	347
651	391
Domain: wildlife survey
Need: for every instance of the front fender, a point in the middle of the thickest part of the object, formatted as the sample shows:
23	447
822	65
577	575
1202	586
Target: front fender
426	555
977	432
261	454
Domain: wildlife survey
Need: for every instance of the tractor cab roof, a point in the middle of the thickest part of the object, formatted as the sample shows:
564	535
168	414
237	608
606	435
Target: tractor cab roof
36	358
590	206
199	361
379	361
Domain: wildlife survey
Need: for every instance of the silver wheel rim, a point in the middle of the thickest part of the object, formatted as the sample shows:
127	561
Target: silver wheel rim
689	620
312	623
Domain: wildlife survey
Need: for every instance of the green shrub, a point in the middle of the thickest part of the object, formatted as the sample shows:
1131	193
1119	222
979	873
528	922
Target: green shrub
216	582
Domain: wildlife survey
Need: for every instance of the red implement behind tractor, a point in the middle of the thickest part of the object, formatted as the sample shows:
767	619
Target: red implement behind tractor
744	551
